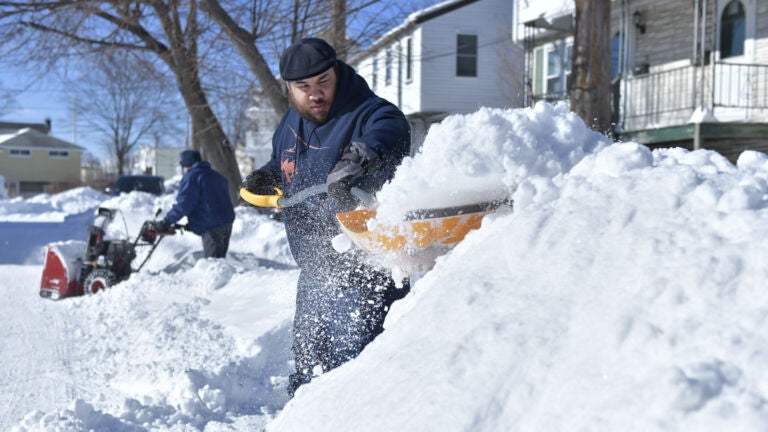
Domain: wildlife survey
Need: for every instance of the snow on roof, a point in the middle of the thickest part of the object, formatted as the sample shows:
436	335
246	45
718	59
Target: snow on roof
31	138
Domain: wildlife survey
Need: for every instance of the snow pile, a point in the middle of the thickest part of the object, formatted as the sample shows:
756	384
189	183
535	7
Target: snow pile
487	156
492	155
153	352
50	208
634	300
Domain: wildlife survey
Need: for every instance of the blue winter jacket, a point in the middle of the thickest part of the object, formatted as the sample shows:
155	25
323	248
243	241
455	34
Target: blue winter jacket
304	153
203	198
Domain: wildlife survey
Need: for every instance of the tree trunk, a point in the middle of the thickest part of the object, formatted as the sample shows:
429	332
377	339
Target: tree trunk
208	136
590	90
338	34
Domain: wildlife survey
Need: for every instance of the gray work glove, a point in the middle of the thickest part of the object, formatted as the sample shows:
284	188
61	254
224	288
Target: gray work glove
356	161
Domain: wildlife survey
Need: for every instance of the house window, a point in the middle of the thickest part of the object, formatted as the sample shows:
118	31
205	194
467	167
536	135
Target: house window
388	68
19	153
60	154
558	69
408	60
375	77
466	55
733	30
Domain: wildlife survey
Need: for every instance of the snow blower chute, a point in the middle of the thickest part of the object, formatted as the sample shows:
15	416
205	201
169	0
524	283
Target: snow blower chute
107	259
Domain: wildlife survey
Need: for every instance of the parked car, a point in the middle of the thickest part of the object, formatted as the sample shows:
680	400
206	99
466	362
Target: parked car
144	183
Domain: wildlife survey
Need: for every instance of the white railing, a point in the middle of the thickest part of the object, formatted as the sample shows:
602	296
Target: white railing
738	92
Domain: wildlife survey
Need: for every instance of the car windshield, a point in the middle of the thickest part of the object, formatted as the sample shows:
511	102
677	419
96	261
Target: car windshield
153	185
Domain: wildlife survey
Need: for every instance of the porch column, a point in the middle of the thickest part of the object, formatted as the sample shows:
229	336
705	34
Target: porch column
697	136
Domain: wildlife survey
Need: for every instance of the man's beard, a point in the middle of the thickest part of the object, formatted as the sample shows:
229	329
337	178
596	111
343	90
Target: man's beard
307	113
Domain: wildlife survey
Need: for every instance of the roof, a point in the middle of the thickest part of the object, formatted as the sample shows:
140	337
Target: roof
413	20
8	127
33	139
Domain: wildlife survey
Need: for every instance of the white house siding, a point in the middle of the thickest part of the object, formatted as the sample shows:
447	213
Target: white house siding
442	90
434	87
400	91
547	9
411	96
557	14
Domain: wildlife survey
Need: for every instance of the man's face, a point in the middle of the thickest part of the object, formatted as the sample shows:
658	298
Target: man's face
313	97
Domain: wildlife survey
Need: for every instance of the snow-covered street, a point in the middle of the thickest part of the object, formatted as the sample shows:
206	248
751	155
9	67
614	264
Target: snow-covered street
36	331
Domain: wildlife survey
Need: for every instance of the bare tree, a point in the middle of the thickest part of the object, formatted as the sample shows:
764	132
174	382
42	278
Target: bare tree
234	96
174	31
168	29
590	91
273	26
7	101
122	97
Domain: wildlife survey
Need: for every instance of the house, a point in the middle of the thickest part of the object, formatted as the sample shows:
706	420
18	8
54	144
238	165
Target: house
155	160
256	149
453	57
685	73
34	162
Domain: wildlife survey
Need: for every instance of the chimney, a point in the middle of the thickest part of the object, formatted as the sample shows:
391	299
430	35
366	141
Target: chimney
48	125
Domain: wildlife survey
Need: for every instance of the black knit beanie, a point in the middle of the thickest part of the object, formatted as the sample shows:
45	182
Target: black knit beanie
306	58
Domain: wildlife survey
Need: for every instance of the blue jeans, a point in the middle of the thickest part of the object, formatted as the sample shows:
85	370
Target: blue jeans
337	314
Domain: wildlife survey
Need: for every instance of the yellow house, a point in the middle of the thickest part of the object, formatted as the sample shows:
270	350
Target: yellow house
34	162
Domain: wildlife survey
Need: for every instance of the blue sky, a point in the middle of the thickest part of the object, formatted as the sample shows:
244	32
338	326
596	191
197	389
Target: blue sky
35	100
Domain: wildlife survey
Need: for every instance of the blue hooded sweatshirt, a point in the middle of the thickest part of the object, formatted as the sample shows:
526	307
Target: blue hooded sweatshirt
203	198
304	153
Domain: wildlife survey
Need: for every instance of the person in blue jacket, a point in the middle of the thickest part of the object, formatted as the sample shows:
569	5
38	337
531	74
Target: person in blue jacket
203	197
337	133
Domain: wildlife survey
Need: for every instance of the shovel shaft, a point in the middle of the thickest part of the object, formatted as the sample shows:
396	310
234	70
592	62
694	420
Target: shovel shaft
279	201
302	195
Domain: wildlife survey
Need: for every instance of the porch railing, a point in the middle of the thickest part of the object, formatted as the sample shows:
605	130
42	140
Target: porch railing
737	92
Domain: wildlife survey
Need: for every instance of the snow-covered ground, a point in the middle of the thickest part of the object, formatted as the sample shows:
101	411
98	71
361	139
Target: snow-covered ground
625	291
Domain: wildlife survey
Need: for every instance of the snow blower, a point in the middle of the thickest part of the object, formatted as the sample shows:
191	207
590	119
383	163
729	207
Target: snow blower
108	258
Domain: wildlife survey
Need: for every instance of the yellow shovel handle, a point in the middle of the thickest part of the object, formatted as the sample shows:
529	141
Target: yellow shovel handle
262	200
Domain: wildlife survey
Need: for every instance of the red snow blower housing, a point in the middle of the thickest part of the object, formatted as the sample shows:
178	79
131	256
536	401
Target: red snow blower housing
107	259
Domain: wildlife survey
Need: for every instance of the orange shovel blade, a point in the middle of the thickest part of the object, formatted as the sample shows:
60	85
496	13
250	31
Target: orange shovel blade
410	235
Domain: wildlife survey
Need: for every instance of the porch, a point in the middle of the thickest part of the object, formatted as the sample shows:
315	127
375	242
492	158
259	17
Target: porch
719	92
721	106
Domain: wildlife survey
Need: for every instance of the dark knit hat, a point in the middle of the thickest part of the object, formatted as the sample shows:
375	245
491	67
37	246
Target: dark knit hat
306	58
189	157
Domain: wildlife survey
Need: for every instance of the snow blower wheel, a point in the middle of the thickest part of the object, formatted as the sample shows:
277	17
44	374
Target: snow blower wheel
98	280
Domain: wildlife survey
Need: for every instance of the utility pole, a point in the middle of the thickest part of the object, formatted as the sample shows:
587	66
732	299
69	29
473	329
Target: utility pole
74	121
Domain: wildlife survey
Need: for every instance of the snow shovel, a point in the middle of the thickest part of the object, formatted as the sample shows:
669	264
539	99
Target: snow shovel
422	229
277	200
